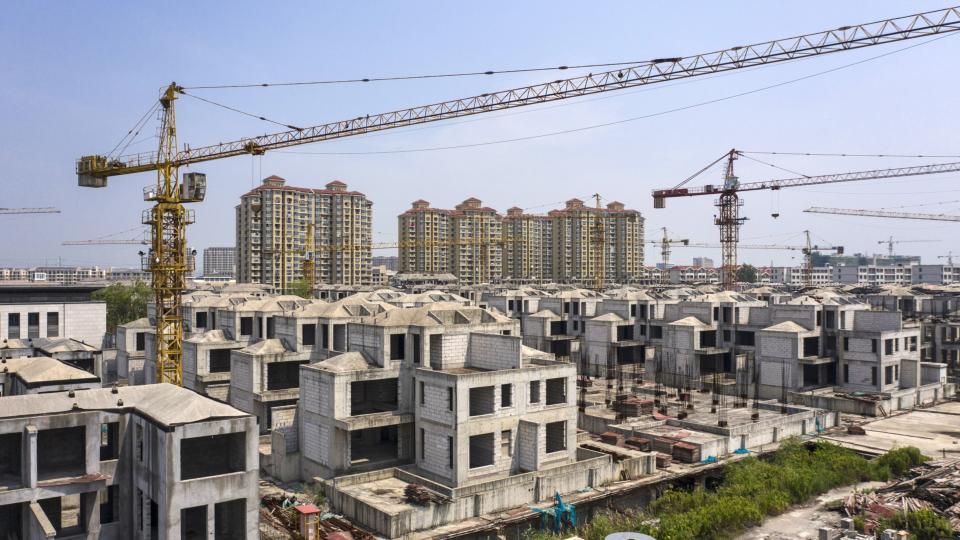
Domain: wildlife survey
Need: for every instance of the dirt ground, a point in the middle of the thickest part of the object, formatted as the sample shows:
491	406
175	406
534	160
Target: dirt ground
804	521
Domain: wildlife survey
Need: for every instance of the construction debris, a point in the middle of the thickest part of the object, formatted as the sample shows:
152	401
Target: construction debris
417	494
281	514
935	486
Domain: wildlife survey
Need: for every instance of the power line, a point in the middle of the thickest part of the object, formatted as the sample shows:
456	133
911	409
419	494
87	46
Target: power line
625	120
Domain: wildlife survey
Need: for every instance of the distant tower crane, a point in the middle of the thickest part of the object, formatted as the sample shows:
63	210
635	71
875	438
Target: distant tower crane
882	214
808	251
729	203
890	243
168	218
665	244
44	210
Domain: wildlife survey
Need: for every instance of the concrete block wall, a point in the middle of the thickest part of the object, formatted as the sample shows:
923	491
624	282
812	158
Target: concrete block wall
779	345
493	351
453	351
435	404
598	337
436	453
528	438
371	340
805	316
876	321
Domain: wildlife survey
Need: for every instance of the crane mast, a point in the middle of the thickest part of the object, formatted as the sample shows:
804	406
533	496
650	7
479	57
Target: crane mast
168	218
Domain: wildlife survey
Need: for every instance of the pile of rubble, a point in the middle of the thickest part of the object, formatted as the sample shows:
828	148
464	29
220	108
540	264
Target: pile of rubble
419	494
279	514
935	486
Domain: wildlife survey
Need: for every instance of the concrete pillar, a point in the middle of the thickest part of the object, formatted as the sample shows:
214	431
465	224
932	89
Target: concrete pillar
30	457
92	445
90	513
211	520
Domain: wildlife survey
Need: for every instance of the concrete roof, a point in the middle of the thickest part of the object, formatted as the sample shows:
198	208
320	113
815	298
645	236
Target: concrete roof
164	403
274	303
689	321
349	361
438	314
266	346
210	336
41	369
352	306
626	294
608	317
56	345
139	323
530	352
785	326
16	344
544	314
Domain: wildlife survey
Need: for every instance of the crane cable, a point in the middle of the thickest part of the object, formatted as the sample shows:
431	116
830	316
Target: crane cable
626	120
935	156
419	77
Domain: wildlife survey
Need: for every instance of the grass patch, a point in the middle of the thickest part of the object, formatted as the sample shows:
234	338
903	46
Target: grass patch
751	490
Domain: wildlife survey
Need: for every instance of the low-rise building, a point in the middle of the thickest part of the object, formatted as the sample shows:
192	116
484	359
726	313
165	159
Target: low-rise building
153	461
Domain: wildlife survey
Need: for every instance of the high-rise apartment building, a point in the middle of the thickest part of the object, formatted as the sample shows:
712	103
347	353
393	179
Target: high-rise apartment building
477	242
577	249
527	246
274	222
220	261
465	241
424	236
478	245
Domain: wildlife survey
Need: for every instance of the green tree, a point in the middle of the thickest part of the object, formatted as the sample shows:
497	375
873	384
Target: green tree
300	288
747	273
125	303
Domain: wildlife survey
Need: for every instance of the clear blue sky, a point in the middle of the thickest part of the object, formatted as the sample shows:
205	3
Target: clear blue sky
77	75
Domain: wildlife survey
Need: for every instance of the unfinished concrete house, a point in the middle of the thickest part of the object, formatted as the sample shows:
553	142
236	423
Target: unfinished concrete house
350	419
514	303
265	382
319	329
366	394
142	462
243	318
67	350
264	376
484	423
40	375
206	364
131	343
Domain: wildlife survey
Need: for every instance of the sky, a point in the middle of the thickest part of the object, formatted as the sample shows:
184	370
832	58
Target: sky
78	75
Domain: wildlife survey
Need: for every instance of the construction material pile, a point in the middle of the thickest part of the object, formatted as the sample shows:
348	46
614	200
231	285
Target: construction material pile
935	486
280	514
417	494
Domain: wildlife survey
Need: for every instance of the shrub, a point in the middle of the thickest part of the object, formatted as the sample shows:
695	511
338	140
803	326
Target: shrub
753	489
921	524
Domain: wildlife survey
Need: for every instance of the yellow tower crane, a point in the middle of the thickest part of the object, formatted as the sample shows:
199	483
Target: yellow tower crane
168	219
